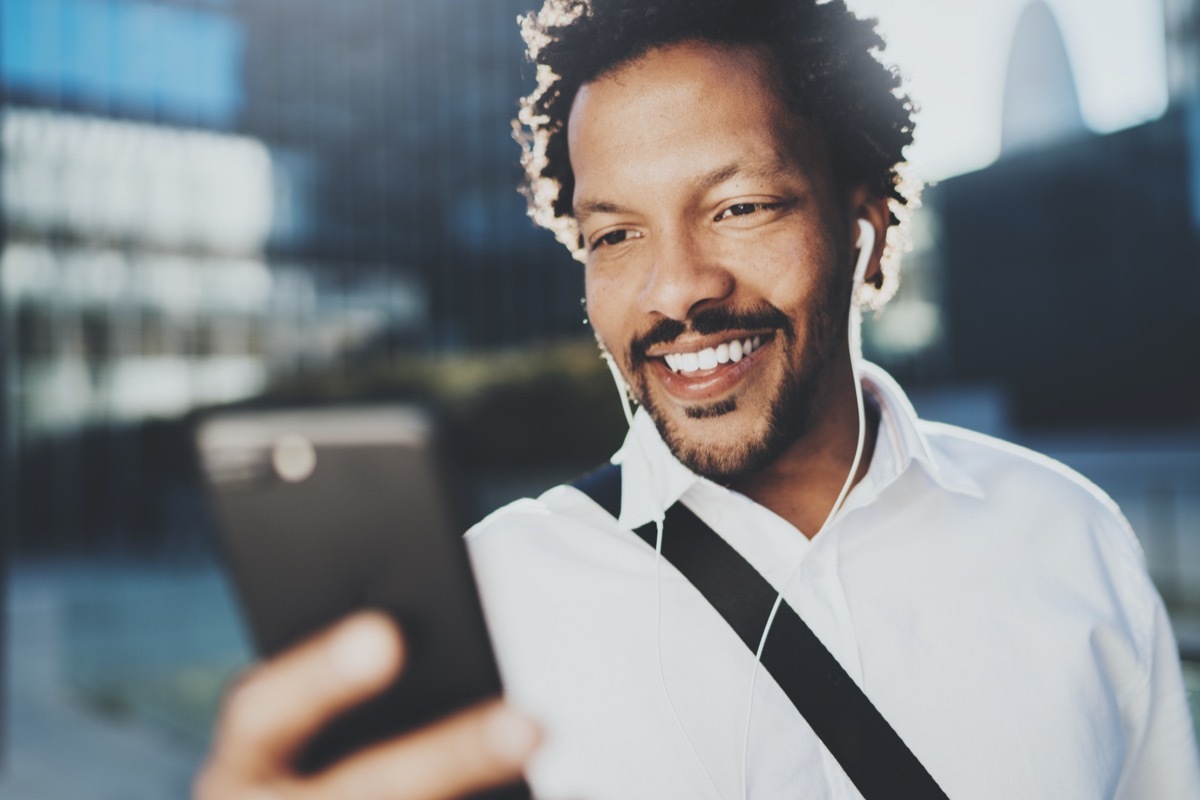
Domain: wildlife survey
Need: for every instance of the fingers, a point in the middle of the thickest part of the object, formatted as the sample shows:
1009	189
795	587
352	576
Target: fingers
481	747
281	704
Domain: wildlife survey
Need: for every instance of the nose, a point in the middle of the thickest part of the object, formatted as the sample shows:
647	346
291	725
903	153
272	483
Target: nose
683	278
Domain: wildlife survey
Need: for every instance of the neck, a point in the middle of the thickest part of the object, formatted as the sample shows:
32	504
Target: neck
802	485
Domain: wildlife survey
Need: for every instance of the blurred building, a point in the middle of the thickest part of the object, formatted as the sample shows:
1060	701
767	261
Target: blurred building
130	268
202	196
1182	19
137	221
134	277
404	109
1041	104
1070	268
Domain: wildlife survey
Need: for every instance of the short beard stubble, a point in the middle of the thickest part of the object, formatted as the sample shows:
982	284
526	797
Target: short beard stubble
789	412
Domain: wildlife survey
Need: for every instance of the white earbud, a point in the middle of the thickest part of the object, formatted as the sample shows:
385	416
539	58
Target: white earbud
866	246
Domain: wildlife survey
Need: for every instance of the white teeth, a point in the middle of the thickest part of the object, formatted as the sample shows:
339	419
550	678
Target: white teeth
710	357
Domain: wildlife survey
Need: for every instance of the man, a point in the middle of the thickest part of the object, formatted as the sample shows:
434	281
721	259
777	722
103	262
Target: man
713	163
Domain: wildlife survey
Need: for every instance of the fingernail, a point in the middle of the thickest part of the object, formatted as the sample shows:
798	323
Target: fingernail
363	649
510	735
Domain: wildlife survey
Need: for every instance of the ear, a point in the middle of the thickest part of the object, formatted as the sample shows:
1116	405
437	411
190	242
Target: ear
866	205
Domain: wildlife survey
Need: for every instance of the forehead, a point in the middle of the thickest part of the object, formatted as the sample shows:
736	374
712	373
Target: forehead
685	109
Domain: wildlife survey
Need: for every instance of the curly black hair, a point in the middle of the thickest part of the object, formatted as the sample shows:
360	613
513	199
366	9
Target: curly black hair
824	57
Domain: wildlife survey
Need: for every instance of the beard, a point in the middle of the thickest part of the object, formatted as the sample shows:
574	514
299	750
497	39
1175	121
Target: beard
789	411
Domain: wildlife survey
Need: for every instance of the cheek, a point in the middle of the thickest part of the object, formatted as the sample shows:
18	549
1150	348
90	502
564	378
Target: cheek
785	283
602	304
793	275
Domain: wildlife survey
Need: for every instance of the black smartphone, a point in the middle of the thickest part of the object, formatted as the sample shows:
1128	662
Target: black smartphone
323	512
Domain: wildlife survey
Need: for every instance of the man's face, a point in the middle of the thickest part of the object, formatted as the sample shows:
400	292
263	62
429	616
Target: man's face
719	252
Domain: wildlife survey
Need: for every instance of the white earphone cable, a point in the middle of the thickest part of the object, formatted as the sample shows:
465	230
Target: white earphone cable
866	245
658	543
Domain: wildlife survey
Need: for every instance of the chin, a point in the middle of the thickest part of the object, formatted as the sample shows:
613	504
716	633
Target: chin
710	441
742	433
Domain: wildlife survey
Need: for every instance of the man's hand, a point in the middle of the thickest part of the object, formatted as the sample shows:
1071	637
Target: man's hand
272	712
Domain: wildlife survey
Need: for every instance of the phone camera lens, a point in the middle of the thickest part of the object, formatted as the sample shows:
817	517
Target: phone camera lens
294	458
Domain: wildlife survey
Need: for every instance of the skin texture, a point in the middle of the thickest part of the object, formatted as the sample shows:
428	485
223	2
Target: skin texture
710	212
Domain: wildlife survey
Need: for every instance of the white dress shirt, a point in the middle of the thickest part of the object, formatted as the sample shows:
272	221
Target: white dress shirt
992	604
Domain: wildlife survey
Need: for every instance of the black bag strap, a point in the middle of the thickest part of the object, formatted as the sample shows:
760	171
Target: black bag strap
873	755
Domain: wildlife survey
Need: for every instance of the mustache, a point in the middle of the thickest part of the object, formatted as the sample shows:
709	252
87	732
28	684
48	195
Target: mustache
707	322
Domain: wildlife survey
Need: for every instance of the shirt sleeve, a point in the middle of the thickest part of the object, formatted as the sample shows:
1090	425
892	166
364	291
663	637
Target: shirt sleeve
1162	760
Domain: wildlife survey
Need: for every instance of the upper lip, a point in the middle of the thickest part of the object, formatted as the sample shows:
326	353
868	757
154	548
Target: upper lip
688	344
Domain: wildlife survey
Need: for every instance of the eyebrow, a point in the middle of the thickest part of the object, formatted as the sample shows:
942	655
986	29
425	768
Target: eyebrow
768	170
585	209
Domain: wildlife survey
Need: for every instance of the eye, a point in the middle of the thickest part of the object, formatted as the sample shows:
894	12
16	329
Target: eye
745	209
612	238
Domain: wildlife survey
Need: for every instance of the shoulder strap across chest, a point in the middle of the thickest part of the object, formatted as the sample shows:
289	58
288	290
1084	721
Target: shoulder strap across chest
872	754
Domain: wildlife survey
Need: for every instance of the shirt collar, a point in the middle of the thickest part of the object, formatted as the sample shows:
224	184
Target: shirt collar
652	479
903	442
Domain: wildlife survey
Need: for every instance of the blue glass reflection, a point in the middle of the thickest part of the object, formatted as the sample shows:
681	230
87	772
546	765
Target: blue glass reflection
160	61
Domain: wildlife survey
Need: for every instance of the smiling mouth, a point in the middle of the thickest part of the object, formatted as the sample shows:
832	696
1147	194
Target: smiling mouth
727	352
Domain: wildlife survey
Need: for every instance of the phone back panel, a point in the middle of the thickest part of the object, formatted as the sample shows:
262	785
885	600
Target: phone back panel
325	512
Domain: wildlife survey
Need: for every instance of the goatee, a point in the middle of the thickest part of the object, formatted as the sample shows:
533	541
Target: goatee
789	412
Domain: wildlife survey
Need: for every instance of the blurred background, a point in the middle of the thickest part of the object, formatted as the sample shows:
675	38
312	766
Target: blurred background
276	202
